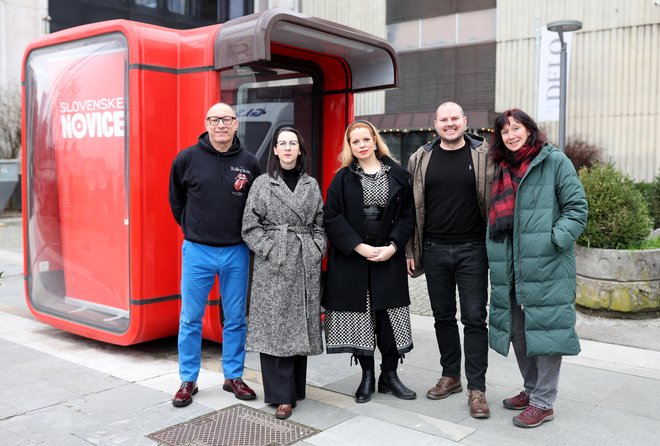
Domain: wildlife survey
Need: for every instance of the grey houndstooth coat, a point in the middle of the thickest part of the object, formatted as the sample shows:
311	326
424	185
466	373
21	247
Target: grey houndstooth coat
284	229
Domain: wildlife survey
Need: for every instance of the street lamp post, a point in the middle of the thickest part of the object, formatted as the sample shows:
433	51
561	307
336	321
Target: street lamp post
561	27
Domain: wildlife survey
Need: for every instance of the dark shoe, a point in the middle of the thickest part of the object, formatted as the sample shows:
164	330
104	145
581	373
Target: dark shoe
238	387
533	416
390	382
184	396
478	405
367	387
445	387
518	402
284	411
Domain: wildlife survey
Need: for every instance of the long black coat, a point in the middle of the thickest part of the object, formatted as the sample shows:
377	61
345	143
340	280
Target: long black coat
347	271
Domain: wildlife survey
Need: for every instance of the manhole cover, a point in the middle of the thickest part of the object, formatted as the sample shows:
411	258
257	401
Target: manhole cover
236	425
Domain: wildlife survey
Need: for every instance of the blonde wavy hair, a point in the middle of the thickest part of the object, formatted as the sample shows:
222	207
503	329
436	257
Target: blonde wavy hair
346	156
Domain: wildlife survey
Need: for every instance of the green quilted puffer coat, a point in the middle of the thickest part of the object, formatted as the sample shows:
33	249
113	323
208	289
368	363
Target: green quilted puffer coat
550	214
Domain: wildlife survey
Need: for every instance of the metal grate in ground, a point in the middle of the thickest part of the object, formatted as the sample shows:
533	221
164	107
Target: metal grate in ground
236	425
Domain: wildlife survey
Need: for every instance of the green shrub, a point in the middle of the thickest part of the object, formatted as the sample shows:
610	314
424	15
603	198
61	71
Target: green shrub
652	243
618	214
651	194
653	200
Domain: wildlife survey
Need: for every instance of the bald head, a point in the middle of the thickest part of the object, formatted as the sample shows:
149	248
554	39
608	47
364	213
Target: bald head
450	123
450	105
221	133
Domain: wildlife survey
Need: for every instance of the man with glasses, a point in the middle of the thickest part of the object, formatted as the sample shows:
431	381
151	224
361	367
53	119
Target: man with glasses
209	184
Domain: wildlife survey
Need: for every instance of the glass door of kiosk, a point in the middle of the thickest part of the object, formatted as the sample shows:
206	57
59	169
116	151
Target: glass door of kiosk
77	207
267	99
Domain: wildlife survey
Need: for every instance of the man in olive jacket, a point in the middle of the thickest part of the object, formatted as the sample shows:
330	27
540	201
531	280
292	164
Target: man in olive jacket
452	179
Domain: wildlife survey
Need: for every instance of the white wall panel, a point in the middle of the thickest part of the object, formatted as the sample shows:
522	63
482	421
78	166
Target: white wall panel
365	15
20	22
613	97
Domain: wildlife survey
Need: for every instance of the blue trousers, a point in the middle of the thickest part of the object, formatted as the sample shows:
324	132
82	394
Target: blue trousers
200	265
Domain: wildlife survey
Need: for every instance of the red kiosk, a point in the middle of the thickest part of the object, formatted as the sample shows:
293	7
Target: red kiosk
107	106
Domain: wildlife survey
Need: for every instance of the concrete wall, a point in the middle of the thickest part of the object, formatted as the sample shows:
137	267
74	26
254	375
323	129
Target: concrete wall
614	93
365	15
20	22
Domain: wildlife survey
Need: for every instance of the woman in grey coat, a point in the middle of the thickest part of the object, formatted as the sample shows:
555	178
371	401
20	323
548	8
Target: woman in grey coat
283	226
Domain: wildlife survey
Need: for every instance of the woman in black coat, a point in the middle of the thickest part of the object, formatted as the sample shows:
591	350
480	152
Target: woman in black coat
368	218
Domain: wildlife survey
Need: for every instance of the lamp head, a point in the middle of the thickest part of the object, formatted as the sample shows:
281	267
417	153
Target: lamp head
564	26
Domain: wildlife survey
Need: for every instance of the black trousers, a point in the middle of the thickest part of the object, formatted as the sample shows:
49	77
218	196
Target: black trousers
284	378
466	266
384	333
386	344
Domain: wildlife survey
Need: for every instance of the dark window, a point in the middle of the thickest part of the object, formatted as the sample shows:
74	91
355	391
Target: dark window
398	11
178	14
402	145
208	10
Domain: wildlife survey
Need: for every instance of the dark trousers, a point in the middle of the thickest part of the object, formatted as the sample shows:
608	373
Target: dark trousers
386	345
466	266
284	378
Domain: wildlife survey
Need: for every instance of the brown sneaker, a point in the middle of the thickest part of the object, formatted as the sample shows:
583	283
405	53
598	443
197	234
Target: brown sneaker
445	387
518	402
478	405
533	416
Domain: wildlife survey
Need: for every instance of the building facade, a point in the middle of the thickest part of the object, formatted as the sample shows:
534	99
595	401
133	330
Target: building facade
483	54
614	79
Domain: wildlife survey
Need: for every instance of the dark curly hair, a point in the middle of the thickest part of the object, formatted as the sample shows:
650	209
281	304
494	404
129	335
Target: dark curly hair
498	150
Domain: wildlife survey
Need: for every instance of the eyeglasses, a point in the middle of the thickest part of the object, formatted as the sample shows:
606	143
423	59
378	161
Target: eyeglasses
283	144
215	120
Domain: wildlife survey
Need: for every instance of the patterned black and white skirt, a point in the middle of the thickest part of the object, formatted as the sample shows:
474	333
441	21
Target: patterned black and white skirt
355	332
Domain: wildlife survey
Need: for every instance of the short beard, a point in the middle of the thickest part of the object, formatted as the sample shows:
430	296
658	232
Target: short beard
452	141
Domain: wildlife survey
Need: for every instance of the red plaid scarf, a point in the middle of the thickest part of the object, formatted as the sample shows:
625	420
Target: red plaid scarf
503	197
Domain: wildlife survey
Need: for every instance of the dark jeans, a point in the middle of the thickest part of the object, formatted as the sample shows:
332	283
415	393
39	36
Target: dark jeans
465	266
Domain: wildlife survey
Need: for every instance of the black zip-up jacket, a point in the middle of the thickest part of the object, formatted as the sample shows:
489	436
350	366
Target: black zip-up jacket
208	190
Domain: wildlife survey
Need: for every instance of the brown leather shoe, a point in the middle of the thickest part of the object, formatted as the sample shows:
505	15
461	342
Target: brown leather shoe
478	405
284	411
184	396
445	387
238	387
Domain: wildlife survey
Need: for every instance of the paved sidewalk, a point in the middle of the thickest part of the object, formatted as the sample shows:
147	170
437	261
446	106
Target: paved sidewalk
61	389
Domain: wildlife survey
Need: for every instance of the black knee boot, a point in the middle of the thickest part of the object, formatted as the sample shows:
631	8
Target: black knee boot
368	383
367	386
389	382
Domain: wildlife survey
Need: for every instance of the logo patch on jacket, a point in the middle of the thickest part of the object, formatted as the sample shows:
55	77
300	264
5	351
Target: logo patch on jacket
240	182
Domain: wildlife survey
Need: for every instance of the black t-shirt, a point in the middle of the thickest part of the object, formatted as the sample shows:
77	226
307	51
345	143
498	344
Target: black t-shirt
450	195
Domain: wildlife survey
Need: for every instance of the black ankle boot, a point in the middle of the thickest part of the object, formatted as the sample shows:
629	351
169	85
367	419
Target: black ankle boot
367	387
389	382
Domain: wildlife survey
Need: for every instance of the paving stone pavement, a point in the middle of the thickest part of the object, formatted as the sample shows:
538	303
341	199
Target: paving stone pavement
61	389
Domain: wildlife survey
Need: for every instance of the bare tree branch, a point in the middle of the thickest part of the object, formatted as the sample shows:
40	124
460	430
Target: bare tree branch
10	123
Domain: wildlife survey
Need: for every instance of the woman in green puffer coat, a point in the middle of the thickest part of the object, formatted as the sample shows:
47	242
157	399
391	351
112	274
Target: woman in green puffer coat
538	209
